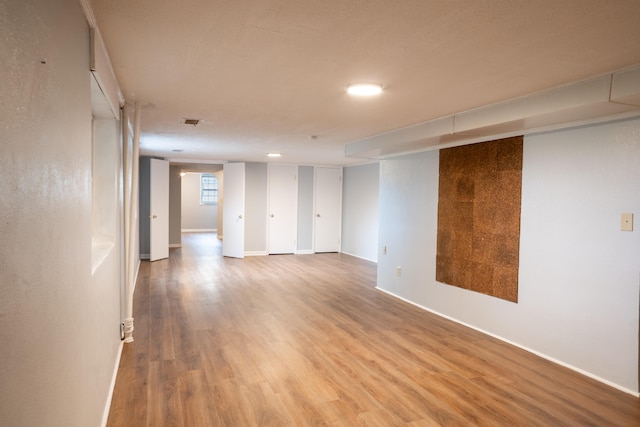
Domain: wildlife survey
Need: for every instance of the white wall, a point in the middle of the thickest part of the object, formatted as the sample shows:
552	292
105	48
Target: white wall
106	157
194	215
579	274
59	329
360	211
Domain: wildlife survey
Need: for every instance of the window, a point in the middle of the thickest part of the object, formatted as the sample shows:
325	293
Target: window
208	189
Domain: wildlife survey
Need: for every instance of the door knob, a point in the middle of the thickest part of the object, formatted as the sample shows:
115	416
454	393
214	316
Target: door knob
272	215
318	215
154	216
239	216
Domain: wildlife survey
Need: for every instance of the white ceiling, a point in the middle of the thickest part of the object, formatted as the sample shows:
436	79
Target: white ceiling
266	75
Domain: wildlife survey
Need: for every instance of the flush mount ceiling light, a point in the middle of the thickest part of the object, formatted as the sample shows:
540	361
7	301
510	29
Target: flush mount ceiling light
274	154
364	89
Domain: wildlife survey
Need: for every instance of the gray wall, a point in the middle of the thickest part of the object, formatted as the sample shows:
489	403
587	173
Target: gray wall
305	209
256	204
144	206
60	321
175	206
578	280
195	216
256	193
360	211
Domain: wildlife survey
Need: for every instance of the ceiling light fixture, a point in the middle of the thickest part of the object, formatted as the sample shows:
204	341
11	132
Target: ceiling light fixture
365	89
274	154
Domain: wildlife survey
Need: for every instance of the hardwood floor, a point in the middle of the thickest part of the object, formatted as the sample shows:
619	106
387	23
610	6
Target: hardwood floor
306	340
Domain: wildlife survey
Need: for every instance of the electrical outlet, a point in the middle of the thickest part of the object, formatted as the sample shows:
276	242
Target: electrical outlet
626	222
384	250
399	271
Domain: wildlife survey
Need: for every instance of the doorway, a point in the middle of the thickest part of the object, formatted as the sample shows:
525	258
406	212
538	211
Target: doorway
188	213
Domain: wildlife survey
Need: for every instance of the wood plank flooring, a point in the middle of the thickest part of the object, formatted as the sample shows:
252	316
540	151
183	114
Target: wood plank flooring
306	340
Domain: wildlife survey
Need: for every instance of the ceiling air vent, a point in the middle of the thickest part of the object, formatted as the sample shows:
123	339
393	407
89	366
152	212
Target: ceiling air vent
193	122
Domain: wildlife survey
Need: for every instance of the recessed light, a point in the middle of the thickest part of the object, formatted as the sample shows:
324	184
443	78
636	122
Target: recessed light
364	89
274	154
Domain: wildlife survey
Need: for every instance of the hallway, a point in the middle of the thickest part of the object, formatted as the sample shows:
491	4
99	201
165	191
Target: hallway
307	340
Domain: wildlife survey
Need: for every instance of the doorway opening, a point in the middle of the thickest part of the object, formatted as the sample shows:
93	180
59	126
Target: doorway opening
195	199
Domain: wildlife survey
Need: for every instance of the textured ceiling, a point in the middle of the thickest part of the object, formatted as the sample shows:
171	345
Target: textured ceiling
265	75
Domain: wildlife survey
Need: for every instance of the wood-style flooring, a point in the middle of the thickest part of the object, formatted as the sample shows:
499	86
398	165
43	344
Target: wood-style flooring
297	340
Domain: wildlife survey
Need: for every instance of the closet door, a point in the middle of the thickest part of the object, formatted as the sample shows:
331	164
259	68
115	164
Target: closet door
233	210
159	203
328	209
282	220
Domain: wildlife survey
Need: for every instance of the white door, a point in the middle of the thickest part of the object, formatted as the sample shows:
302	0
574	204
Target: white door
283	196
159	209
328	209
233	210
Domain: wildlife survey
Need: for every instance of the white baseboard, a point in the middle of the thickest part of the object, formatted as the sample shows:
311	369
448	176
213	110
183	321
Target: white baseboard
199	230
112	386
537	353
357	256
304	252
255	253
175	245
145	256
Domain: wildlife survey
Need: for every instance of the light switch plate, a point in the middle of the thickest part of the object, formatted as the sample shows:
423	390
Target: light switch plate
626	222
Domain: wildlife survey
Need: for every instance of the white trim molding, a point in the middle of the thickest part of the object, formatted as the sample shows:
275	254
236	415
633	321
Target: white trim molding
256	253
357	256
112	386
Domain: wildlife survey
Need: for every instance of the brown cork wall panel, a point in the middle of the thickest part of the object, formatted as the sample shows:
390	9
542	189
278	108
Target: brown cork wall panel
479	196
